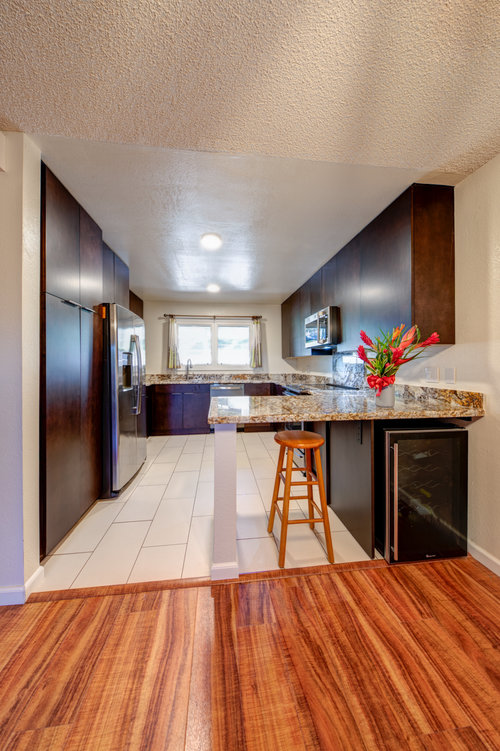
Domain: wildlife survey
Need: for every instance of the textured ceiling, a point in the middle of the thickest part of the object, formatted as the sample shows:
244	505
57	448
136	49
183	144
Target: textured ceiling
393	83
286	125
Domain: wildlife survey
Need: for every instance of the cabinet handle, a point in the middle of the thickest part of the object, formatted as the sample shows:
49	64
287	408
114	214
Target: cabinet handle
72	303
89	310
396	502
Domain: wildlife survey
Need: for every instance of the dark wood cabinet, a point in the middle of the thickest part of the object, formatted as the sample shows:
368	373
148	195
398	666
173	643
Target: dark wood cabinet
195	410
398	269
108	283
121	282
136	305
178	408
60	425
350	449
91	360
257	389
60	273
77	275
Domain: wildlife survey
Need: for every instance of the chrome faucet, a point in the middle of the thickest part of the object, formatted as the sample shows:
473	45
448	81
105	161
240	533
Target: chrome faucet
189	364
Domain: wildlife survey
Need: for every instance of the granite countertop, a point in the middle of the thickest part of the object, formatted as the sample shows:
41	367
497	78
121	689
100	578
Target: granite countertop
340	404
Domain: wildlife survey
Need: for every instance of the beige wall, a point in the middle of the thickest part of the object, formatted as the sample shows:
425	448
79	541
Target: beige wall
157	331
476	356
19	374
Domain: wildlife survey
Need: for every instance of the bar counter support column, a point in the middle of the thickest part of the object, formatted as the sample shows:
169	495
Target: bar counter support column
225	554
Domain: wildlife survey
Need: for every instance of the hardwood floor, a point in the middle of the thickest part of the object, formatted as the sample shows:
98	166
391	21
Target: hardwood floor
357	658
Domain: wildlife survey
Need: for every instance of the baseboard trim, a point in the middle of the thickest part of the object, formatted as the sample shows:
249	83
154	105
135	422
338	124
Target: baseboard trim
12	596
33	580
229	570
482	555
19	594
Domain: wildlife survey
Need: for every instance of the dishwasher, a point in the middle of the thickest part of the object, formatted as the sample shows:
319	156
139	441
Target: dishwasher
226	389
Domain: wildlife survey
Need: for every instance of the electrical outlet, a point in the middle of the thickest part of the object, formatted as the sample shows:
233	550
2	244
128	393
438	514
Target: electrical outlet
450	375
432	374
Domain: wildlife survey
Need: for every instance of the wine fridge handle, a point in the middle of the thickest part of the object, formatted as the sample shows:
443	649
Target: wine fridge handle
396	503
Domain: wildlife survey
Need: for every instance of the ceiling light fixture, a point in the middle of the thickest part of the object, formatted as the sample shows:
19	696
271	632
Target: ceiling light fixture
213	288
211	241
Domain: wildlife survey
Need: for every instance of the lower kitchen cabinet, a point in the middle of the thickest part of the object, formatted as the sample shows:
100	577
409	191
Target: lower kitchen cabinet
177	408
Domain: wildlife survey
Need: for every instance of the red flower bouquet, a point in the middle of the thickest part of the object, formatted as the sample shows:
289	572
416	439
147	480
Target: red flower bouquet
391	350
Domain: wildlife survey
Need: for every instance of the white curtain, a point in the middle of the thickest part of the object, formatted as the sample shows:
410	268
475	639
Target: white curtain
173	351
256	346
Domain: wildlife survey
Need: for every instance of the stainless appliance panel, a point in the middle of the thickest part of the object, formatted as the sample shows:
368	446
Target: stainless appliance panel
127	371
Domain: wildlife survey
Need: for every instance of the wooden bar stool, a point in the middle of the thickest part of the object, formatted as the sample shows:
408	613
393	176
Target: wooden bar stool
289	440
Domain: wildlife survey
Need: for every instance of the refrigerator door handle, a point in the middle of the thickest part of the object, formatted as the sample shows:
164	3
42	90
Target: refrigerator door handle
139	374
396	502
136	409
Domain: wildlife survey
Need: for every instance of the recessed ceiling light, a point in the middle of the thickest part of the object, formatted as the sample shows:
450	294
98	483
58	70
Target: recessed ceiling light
211	241
213	288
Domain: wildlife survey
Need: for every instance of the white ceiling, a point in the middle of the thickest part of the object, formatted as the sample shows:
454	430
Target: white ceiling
285	125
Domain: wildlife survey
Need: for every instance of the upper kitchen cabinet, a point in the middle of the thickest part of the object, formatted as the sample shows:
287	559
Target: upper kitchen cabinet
121	283
398	269
60	244
407	264
91	261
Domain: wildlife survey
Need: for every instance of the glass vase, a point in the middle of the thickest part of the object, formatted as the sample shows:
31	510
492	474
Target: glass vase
386	398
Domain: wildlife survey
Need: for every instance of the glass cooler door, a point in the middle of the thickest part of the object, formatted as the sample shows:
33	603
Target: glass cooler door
426	494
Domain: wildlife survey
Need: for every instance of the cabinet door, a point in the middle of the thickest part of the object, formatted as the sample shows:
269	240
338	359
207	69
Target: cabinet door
108	271
60	239
351	478
121	283
91	355
60	423
328	276
315	293
386	268
165	410
347	294
195	411
91	261
286	327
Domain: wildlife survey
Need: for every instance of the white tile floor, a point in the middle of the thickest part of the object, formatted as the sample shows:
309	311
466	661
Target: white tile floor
160	527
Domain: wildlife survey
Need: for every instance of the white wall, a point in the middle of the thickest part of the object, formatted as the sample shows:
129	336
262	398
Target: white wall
19	374
157	331
476	356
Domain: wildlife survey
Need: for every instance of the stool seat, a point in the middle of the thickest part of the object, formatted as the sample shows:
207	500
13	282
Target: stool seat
288	441
299	439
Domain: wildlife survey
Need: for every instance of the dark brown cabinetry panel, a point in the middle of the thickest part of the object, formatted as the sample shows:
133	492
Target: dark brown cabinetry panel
60	239
60	424
433	260
121	282
385	249
195	411
136	305
398	269
178	408
351	478
91	360
108	263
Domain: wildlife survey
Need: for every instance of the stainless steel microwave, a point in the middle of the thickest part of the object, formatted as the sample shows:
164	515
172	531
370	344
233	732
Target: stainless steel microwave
322	329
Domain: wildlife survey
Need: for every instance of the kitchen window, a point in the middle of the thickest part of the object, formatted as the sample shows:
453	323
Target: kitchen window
216	344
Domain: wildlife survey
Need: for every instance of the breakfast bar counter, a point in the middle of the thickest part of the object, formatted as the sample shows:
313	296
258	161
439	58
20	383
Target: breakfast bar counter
226	413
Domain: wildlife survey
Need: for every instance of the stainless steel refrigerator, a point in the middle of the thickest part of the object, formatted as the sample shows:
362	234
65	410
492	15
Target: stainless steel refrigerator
125	410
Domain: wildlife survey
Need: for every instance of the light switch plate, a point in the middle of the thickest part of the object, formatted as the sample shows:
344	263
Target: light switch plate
432	374
450	375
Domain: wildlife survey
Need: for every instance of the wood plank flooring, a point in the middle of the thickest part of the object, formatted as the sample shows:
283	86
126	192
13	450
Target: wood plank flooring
362	658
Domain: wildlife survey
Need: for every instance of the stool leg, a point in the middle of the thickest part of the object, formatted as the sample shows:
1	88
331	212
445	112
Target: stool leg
279	468
309	487
286	505
324	507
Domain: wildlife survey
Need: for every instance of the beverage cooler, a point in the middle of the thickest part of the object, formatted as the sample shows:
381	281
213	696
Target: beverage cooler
425	489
